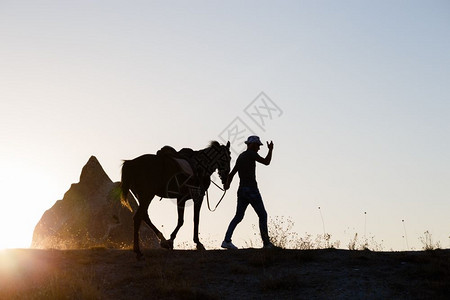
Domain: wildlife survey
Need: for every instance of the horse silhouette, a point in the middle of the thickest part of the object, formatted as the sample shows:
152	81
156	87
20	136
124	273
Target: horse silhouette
182	175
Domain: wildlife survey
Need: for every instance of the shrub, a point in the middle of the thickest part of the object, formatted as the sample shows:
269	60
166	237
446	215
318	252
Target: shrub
428	243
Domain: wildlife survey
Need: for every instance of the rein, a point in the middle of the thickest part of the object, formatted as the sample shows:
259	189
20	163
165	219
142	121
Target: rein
221	198
218	186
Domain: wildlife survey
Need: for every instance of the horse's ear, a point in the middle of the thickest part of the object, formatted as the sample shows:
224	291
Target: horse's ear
228	145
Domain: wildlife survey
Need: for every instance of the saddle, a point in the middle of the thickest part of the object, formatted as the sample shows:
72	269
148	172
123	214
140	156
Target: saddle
179	157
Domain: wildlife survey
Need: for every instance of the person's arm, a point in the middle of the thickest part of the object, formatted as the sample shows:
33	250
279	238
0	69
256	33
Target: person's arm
233	172
268	158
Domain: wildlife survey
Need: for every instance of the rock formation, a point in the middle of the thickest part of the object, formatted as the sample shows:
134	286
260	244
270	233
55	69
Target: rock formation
90	215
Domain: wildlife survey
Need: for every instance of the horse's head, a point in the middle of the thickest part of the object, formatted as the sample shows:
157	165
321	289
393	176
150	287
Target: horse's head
222	158
224	162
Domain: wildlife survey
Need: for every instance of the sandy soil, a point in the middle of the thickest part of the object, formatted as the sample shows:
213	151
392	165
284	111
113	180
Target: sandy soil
243	274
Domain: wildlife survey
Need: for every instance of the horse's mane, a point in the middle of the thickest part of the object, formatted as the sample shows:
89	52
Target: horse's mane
189	151
213	144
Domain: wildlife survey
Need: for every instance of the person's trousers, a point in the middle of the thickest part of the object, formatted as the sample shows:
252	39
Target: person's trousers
246	196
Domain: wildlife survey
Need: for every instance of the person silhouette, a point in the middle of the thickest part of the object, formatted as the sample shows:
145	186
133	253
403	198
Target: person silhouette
248	192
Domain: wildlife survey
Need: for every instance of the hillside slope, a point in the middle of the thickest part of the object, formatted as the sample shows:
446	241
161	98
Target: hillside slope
253	273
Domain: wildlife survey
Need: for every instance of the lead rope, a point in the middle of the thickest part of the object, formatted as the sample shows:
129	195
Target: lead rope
218	186
221	198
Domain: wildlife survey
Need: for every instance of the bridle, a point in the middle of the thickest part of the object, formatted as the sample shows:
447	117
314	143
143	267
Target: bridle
221	198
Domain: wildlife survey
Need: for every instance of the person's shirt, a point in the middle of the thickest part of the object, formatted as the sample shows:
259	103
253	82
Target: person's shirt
246	166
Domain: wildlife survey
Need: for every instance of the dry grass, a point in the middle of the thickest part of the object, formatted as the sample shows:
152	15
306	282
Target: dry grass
298	272
101	273
26	275
282	235
428	243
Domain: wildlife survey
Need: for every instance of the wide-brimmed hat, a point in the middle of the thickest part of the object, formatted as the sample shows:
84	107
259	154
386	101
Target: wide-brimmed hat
253	140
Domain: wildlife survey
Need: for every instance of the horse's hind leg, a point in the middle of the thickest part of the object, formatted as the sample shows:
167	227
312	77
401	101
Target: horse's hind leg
142	215
163	241
138	217
145	217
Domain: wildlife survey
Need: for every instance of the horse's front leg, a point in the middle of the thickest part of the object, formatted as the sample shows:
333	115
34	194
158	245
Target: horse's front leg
181	203
197	205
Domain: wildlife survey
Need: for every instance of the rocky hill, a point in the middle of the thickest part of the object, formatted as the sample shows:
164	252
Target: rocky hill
90	215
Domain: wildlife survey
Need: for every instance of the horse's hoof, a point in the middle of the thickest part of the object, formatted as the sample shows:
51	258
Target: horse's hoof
200	247
167	244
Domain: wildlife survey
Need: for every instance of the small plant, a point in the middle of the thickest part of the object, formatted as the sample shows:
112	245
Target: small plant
281	233
323	241
355	244
428	243
405	236
352	244
304	243
374	245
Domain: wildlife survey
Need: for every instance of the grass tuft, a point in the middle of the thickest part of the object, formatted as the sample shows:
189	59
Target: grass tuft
427	242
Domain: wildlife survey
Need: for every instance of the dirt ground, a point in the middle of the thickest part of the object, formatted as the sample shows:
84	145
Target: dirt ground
215	274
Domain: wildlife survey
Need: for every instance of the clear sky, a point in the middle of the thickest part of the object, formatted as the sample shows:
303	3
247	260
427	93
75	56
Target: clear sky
362	90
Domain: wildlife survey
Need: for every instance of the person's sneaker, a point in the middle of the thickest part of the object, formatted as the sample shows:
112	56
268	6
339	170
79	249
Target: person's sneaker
228	245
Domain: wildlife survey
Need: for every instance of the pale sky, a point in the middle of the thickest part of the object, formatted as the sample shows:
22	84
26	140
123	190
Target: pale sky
362	90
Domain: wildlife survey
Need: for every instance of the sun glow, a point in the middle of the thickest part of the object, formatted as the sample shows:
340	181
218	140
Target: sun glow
26	194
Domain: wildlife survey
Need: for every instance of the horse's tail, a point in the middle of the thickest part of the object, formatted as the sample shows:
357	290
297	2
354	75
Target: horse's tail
125	184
